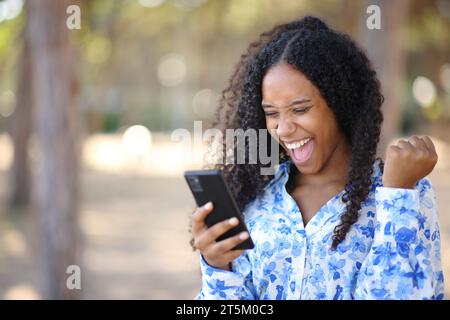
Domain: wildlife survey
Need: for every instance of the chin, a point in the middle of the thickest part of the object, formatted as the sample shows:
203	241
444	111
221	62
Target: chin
307	169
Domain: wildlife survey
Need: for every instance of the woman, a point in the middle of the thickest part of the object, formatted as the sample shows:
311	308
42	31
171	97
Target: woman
333	222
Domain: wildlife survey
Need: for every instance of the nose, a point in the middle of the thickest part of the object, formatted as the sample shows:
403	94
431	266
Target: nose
285	126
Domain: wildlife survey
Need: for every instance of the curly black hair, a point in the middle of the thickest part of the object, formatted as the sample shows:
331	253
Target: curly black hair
341	71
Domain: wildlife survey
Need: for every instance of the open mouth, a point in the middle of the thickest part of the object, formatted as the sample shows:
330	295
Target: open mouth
301	151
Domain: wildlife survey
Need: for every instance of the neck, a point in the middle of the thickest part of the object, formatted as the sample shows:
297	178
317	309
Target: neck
334	171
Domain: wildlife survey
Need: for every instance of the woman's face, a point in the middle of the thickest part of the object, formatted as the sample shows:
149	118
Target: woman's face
299	119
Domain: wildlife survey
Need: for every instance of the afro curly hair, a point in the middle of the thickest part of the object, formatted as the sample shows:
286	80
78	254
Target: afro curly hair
341	71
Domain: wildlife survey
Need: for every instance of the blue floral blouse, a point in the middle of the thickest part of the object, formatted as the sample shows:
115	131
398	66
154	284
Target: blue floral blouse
391	252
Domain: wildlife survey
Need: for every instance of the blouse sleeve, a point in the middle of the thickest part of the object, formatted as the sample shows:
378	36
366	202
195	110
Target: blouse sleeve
218	284
404	261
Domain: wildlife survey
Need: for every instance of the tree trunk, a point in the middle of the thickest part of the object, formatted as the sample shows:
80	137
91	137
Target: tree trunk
56	123
20	130
385	50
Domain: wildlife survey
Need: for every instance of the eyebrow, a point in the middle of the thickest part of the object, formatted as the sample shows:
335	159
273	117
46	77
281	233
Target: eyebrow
295	102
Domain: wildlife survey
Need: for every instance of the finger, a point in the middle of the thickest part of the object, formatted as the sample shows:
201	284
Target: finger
221	258
403	144
430	145
198	217
228	244
210	235
418	143
393	147
232	255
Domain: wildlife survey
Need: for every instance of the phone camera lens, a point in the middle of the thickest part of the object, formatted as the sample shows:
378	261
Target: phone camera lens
195	184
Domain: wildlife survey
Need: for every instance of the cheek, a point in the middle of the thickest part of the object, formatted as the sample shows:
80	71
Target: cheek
331	129
309	123
271	122
330	135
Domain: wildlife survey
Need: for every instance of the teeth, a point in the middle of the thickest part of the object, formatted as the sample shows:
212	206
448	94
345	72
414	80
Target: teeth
297	144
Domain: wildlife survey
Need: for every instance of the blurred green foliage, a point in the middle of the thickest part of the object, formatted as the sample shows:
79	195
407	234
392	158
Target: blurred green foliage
121	44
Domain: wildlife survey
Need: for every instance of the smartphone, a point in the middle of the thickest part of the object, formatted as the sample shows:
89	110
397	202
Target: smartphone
210	185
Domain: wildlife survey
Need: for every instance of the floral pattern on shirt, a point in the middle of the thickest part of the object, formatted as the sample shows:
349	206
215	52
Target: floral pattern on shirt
391	252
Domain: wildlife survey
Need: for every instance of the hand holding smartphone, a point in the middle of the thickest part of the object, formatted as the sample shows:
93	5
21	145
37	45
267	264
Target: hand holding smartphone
209	185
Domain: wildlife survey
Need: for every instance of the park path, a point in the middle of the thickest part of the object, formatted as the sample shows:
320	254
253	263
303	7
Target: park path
135	233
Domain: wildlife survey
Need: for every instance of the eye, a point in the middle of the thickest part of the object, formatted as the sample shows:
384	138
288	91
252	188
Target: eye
301	110
270	114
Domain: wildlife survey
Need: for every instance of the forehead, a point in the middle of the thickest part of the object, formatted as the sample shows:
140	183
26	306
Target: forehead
283	82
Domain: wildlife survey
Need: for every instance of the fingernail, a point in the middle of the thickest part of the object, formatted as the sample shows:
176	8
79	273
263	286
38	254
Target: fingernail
233	221
243	235
208	206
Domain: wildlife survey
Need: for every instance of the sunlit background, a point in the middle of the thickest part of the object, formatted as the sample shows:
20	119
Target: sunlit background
144	71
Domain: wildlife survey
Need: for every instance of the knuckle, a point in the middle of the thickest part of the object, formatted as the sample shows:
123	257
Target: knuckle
226	245
425	153
222	247
209	233
195	219
197	215
222	227
406	153
214	232
393	149
226	225
197	243
219	246
208	255
394	153
420	154
213	253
